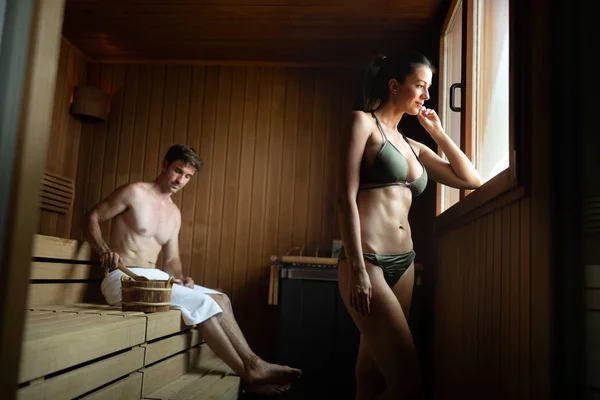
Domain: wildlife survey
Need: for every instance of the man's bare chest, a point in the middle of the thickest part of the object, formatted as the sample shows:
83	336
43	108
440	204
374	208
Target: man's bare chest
149	219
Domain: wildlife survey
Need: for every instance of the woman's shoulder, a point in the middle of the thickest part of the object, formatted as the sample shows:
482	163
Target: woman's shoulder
360	115
361	121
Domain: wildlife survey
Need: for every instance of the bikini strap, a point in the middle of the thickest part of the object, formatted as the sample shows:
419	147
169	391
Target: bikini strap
413	150
379	126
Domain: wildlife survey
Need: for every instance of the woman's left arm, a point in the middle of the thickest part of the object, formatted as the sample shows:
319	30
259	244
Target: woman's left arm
457	171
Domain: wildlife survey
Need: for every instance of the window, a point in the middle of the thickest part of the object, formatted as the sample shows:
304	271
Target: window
450	73
474	95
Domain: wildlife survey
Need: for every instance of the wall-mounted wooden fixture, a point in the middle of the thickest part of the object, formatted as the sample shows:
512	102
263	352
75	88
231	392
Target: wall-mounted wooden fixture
57	193
90	103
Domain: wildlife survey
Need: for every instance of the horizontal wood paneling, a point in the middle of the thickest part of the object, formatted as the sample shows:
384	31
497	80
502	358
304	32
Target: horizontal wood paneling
63	148
268	139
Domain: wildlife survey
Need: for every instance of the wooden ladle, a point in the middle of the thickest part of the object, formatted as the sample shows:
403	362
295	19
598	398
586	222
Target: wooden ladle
131	273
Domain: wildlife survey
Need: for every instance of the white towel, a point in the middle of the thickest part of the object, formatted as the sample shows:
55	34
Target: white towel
195	304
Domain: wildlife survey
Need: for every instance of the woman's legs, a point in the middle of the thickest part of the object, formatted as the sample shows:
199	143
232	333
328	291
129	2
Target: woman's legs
386	337
369	380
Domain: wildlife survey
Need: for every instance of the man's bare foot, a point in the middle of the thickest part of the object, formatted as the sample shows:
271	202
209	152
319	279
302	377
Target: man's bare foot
262	372
269	389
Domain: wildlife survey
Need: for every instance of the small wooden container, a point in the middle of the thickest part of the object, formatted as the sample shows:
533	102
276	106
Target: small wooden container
146	296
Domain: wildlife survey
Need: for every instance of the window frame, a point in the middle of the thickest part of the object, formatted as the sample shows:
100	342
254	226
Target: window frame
511	179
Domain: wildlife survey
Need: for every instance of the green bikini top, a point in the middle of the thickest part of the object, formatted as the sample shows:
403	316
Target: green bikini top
390	168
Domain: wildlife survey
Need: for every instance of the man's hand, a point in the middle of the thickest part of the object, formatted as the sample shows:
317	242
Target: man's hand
188	282
110	260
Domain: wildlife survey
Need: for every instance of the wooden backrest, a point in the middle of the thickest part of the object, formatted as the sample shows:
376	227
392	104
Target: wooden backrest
63	271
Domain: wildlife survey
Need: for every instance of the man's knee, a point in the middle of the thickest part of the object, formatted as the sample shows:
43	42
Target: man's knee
222	300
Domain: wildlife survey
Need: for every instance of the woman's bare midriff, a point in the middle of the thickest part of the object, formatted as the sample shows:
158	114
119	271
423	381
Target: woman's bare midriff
384	219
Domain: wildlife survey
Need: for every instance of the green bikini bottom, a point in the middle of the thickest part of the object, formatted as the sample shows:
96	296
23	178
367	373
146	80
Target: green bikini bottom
392	265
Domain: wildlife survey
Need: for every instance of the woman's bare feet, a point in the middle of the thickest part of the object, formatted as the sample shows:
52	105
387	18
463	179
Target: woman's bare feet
261	372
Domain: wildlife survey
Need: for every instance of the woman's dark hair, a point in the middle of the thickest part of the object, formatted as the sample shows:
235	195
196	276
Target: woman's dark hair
374	89
182	152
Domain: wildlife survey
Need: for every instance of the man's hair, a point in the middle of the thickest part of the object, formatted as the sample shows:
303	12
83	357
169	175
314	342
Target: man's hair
185	153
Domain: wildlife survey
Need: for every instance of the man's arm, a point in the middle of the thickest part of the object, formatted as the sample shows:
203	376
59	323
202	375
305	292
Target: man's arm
172	260
108	208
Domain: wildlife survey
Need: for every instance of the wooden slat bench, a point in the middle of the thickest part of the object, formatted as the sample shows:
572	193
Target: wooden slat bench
94	351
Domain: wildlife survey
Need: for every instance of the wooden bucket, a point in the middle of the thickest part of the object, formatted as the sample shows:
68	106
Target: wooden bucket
146	296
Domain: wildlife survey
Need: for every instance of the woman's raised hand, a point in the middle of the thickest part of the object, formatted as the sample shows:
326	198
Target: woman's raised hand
429	119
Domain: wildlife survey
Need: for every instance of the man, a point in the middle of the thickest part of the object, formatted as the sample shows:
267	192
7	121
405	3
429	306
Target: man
146	221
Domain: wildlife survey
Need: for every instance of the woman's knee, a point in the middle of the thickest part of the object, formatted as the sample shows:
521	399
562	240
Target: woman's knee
367	374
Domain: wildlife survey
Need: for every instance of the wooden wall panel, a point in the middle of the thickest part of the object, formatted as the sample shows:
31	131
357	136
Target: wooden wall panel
482	302
268	139
592	322
63	148
334	32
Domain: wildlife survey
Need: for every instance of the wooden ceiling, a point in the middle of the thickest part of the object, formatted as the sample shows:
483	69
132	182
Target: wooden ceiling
272	31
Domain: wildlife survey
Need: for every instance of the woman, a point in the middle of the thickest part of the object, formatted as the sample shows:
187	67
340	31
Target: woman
380	172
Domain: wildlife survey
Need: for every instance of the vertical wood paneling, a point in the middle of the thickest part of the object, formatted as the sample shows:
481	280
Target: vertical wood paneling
497	307
334	123
256	274
232	182
130	97
525	300
218	163
242	233
195	139
168	112
484	277
275	160
93	192
592	326
515	269
288	162
113	132
303	160
505	310
153	159
490	296
317	162
85	152
141	120
268	139
205	196
182	112
188	204
476	282
65	135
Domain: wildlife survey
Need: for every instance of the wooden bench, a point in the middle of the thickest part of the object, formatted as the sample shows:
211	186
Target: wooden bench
73	349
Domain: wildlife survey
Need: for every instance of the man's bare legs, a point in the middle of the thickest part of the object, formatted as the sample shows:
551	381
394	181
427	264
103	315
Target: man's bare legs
257	370
225	337
216	338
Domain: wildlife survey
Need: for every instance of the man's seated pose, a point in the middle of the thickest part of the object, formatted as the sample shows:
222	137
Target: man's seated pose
146	221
